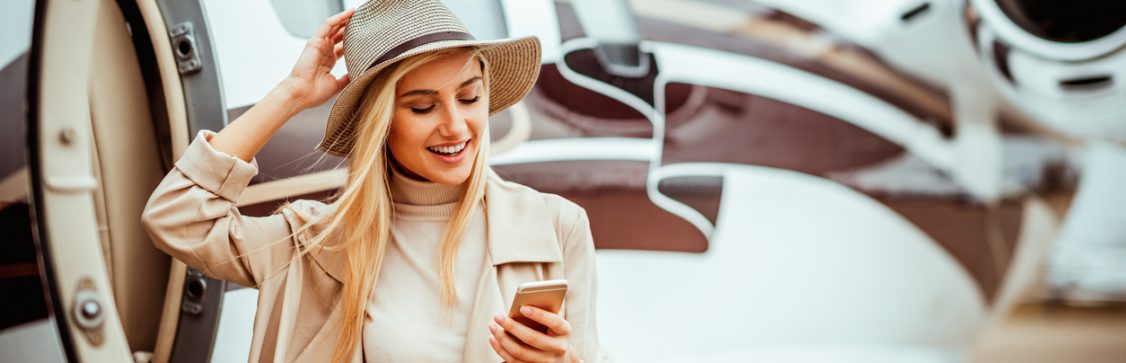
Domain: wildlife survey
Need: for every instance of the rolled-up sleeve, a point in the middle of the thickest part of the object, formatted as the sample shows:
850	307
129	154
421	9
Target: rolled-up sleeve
192	216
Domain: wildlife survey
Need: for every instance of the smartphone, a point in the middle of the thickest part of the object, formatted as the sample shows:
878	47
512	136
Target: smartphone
547	295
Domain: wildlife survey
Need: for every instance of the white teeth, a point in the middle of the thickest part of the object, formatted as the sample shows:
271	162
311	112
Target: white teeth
448	149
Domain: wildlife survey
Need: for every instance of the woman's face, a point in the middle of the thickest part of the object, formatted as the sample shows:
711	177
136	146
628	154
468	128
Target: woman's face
441	109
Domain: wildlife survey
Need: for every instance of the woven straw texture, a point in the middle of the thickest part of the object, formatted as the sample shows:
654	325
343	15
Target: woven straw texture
378	27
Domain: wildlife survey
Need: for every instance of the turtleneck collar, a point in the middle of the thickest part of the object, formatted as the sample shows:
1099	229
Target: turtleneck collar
423	197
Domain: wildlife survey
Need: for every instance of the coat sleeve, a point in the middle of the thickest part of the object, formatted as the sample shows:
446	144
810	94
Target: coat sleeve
192	216
579	268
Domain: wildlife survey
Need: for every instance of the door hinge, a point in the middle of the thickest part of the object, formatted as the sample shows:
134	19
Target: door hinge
184	46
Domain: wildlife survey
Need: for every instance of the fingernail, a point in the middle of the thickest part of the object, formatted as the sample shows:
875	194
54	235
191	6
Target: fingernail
499	319
526	310
492	328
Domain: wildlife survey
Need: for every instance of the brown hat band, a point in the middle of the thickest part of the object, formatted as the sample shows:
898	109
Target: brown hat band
413	43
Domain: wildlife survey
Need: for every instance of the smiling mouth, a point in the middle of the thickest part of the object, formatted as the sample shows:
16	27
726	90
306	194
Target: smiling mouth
449	150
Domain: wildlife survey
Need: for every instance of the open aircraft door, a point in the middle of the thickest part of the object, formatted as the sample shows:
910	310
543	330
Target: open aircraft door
116	89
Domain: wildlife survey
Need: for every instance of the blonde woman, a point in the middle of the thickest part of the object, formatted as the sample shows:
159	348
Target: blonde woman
420	252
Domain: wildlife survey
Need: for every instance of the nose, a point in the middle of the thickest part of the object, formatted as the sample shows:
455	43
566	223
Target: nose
453	125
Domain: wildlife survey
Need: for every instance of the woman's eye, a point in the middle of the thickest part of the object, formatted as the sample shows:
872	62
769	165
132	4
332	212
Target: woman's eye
422	110
471	101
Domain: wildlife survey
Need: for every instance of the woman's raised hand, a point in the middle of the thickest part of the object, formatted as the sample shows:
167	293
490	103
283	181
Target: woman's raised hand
311	83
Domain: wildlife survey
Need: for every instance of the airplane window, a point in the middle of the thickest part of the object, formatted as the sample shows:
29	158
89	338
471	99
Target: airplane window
1066	21
302	17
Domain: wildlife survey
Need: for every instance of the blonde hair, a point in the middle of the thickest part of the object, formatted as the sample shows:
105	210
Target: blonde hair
361	221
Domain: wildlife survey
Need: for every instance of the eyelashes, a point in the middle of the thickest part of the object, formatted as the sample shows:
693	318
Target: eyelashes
422	111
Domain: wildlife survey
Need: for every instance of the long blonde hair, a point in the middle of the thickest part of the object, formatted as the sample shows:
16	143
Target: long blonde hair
361	221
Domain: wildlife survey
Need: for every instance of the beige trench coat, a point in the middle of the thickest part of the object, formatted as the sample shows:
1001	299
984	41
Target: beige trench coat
192	216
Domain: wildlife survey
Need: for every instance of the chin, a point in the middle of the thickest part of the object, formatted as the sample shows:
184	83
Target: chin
452	177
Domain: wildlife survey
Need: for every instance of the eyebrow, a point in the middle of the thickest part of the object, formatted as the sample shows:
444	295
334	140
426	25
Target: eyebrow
427	92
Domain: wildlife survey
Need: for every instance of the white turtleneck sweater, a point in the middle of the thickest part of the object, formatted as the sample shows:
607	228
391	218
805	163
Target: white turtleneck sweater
406	323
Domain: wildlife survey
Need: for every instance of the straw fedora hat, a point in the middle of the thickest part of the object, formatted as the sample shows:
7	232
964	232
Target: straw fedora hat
382	32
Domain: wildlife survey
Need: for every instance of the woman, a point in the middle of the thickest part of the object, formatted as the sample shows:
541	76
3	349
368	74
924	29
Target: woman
421	251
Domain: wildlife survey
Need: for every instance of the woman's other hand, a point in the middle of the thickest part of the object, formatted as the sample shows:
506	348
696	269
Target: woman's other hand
311	82
516	342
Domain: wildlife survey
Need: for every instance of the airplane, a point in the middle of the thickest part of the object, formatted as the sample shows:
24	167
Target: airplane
904	180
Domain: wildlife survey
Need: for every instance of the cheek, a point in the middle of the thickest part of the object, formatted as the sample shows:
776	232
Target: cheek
479	121
479	126
402	137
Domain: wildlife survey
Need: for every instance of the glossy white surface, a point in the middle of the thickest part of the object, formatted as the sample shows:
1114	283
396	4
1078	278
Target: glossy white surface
15	29
36	341
236	326
796	261
1089	260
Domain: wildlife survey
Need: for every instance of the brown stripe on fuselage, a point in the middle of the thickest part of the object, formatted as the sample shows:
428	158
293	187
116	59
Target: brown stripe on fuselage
733	127
621	214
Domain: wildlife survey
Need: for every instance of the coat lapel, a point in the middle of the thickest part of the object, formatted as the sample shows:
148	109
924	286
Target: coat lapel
518	229
519	224
487	303
331	260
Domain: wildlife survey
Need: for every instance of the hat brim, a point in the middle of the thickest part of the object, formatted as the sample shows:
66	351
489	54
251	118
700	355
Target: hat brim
514	66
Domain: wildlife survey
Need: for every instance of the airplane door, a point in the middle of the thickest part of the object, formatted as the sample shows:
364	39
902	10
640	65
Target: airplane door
116	89
65	180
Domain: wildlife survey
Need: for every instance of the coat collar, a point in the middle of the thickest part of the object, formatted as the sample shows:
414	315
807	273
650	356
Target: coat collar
518	227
